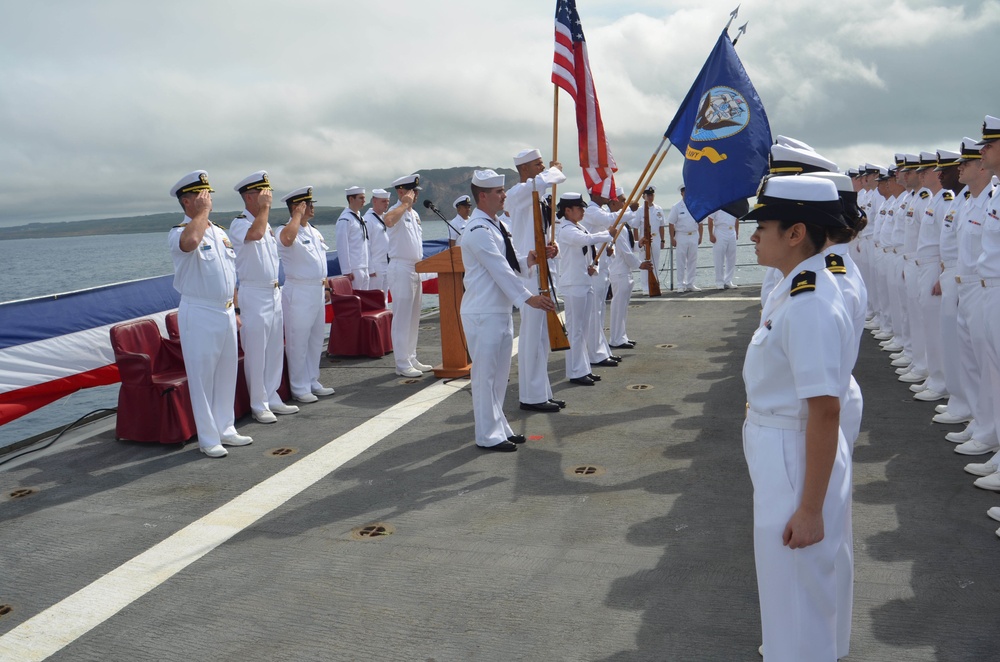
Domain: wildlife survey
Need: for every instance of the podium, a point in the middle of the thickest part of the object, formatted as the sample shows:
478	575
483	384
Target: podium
454	353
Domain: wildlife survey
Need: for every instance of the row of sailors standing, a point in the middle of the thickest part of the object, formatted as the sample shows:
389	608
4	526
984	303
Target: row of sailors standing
936	240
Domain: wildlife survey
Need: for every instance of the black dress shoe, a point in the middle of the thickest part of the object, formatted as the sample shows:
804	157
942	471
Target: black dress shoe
502	447
541	406
607	363
596	378
616	358
516	439
559	403
586	380
624	345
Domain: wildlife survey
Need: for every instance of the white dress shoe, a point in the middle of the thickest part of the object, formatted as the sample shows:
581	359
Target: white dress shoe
264	416
760	650
282	408
985	469
883	335
991	482
214	451
409	372
928	395
900	362
897	355
422	367
941	409
918	388
958	437
976	447
994	512
892	347
731	285
323	390
237	440
871	324
305	398
695	288
950	419
912	377
902	371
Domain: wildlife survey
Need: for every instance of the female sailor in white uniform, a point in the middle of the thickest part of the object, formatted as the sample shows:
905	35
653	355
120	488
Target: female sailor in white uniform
799	462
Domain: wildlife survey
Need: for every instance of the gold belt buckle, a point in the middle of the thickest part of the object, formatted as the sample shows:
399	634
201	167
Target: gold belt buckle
229	304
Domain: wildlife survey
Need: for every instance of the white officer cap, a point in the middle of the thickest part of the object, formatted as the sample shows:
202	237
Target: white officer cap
304	194
649	189
462	200
946	159
354	190
927	160
803	198
191	182
526	156
380	194
681	188
257	180
842	182
991	130
853	172
883	172
794	160
872	167
900	159
912	161
970	150
487	179
785	141
411	182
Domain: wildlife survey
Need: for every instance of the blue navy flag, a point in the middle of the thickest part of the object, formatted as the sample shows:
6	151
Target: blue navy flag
722	131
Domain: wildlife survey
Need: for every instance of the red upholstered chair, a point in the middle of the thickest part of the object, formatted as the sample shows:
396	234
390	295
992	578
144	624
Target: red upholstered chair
173	327
362	326
153	403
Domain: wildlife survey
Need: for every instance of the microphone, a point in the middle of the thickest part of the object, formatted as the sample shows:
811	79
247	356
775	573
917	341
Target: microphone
430	205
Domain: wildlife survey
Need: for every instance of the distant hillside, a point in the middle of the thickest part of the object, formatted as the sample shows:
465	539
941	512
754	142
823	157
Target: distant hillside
441	186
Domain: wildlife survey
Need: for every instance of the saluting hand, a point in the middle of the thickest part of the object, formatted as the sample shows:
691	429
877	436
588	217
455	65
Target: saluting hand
201	204
407	198
264	199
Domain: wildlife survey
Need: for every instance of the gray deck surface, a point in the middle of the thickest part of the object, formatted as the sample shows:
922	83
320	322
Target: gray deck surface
508	556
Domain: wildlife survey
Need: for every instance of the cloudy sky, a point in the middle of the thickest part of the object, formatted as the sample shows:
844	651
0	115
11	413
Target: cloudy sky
105	104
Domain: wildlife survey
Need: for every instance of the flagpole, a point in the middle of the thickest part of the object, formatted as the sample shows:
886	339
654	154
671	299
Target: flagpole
645	186
555	157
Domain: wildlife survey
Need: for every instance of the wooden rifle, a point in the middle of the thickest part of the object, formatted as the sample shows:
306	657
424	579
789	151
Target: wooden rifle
652	275
558	339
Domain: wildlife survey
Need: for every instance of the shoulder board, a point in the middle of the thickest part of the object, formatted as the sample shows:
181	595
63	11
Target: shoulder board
182	225
925	194
217	225
240	216
949	196
835	264
968	194
805	281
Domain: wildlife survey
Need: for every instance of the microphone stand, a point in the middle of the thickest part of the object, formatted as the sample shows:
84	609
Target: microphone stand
430	205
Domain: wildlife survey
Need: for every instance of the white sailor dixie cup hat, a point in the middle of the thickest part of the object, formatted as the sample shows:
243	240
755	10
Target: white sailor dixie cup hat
304	194
802	198
462	200
354	190
257	180
380	194
411	182
487	179
991	130
190	183
970	150
526	156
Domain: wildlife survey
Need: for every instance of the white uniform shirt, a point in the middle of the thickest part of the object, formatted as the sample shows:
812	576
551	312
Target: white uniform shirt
574	250
456	226
378	239
681	218
352	242
256	261
914	219
522	216
886	213
949	226
305	259
723	223
597	218
970	233
899	220
989	261
801	348
491	285
657	220
624	260
209	271
406	237
929	237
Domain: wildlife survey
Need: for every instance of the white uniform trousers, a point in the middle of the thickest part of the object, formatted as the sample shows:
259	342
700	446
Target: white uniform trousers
597	342
579	301
208	338
915	321
883	261
263	339
380	281
686	257
991	345
724	256
654	257
621	289
533	385
303	309
800	590
491	340
930	316
361	280
951	355
897	301
976	378
404	284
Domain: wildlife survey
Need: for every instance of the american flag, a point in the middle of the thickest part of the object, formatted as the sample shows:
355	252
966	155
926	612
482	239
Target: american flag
571	72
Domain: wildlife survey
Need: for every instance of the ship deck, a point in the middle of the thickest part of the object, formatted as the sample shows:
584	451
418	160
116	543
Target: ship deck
127	551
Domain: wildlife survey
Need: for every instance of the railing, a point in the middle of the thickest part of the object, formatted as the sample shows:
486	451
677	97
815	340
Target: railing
669	267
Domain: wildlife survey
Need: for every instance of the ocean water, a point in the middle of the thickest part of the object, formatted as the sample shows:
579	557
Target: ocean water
39	267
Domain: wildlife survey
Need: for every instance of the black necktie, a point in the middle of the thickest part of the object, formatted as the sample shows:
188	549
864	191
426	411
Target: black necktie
364	226
508	248
631	239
